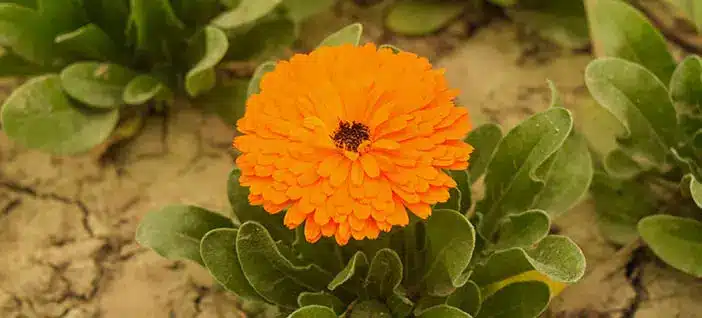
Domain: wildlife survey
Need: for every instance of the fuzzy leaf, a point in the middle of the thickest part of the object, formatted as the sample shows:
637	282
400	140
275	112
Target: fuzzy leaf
400	305
620	204
451	240
175	231
300	10
25	32
567	176
142	89
462	179
238	198
218	252
639	101
696	191
454	201
555	256
12	65
321	299
350	34
246	12
676	240
443	311
154	23
370	308
484	140
255	82
619	30
211	45
326	253
228	100
40	115
61	15
384	274
686	85
517	300
510	183
273	276
523	230
90	42
563	22
277	30
313	311
466	298
110	15
405	14
356	267
196	13
100	85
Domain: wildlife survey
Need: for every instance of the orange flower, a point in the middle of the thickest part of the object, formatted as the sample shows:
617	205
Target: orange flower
346	138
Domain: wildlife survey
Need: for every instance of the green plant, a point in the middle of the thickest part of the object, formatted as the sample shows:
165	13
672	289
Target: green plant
563	22
646	136
97	63
492	259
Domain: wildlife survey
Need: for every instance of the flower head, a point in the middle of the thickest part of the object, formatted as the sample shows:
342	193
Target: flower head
346	139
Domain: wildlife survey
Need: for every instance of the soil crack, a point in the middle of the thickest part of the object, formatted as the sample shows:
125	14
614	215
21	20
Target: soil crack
634	274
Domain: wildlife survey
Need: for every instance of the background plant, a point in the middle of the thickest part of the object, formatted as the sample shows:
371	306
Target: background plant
646	136
563	21
494	259
96	64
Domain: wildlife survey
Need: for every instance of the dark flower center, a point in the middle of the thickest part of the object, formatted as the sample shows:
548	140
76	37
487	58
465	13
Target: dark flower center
350	135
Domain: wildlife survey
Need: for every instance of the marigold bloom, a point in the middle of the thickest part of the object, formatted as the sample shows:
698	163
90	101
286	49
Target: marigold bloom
346	138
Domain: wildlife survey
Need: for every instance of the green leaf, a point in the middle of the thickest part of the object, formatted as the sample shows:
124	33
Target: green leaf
504	3
356	267
326	253
227	100
218	252
313	311
391	47
370	308
273	276
100	85
404	16
686	85
523	230
40	115
154	24
620	204
211	45
175	231
677	241
443	311
517	300
619	30
267	37
510	184
454	201
255	83
350	34
196	13
639	101
12	65
90	42
466	298
451	240
399	305
384	274
321	299
300	10
61	15
464	187
26	34
696	191
692	9
555	256
563	22
238	198
246	12
110	15
567	176
142	89
484	140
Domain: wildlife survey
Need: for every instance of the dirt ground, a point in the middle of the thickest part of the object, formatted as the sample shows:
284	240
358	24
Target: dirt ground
67	224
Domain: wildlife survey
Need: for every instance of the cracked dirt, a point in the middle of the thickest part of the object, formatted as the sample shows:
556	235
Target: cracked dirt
67	224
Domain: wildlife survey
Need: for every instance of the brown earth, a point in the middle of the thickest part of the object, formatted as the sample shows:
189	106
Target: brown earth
67	224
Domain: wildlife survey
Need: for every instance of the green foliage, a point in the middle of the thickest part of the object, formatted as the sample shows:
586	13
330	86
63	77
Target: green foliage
431	268
434	15
112	55
647	181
